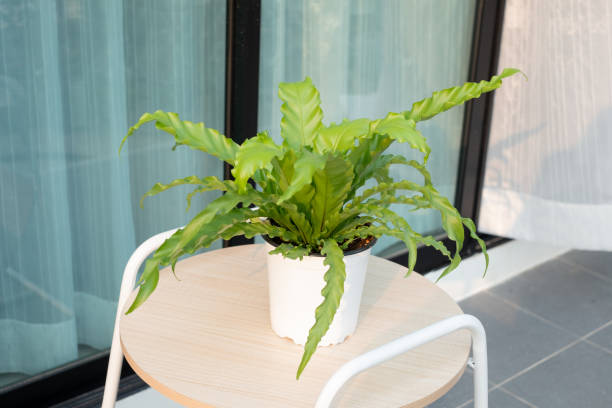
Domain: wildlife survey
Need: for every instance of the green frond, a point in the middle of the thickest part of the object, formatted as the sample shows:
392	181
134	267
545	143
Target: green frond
365	159
254	154
302	114
254	227
306	165
443	100
194	135
332	293
469	224
340	138
148	283
403	130
382	187
332	185
291	251
206	184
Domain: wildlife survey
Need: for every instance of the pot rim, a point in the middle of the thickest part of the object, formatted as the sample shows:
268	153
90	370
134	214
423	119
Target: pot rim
318	254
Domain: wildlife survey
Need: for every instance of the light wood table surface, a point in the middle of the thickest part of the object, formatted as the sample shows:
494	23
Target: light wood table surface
206	341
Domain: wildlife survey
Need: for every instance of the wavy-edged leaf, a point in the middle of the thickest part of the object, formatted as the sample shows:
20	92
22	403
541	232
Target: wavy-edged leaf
239	221
299	219
351	223
455	261
376	231
402	231
150	276
291	251
443	100
397	159
469	224
207	226
283	218
397	127
302	114
332	185
206	184
194	135
254	227
192	230
382	187
222	226
341	137
306	165
365	159
282	170
452	223
148	283
332	293
451	219
254	154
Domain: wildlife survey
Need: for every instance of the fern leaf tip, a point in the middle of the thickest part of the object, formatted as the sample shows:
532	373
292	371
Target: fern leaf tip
511	71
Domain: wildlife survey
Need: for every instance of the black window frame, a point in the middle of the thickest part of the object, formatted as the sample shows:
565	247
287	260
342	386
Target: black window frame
80	383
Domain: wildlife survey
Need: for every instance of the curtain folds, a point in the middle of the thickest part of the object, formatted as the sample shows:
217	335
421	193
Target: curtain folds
73	76
548	163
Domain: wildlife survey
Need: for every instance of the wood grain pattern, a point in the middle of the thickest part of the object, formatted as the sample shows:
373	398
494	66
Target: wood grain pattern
206	341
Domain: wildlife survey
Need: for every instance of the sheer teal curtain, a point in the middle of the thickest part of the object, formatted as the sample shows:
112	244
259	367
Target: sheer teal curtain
73	76
369	57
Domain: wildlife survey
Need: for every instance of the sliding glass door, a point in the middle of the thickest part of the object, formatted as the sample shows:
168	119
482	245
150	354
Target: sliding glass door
368	58
74	75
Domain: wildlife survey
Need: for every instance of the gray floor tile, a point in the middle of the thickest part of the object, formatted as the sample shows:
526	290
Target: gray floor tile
563	294
577	377
604	339
596	261
515	339
500	399
462	392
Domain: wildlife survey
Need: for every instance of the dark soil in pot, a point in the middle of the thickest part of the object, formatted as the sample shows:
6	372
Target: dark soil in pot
356	246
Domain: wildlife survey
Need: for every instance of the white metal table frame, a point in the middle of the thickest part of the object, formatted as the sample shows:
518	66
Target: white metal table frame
344	373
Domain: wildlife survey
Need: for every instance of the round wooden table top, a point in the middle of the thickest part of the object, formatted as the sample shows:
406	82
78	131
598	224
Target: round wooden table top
206	340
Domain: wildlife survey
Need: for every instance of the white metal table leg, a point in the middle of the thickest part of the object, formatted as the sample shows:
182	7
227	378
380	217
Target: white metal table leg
410	341
115	361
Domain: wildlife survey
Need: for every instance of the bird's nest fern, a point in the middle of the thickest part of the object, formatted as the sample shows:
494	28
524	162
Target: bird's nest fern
310	195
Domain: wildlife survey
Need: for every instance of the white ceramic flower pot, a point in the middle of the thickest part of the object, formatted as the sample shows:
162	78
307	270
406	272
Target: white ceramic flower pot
295	292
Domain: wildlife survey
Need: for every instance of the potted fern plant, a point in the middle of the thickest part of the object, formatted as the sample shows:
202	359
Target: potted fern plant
312	208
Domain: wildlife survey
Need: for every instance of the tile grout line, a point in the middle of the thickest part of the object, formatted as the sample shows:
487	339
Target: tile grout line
556	353
537	363
533	314
553	324
523	400
602	348
585	269
465	403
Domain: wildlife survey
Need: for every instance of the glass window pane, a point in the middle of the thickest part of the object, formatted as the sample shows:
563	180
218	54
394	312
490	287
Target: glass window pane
368	58
74	75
